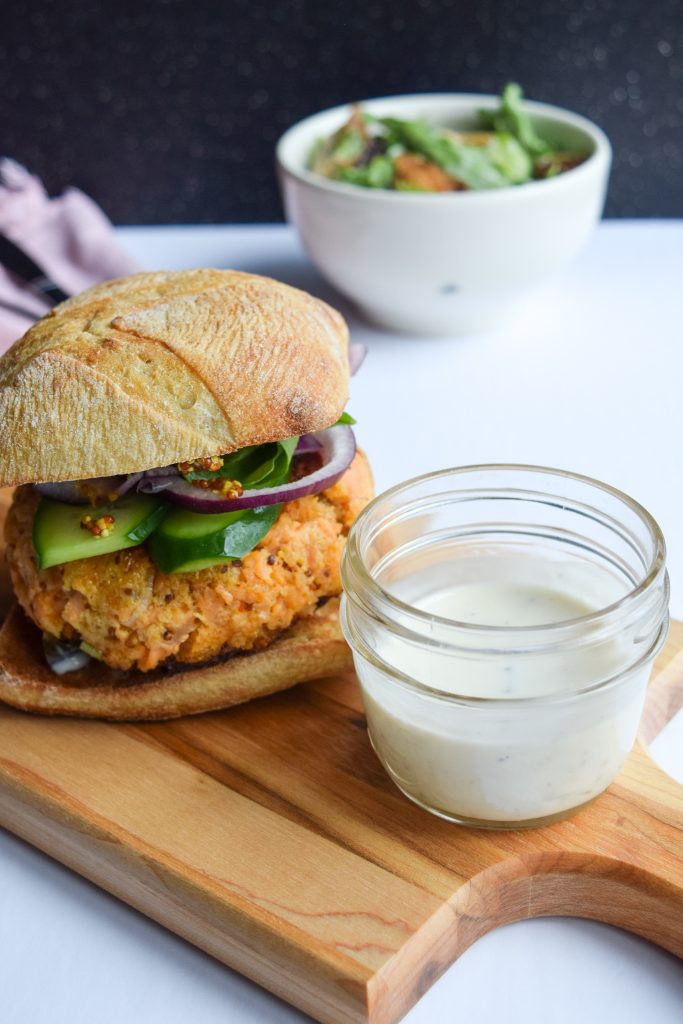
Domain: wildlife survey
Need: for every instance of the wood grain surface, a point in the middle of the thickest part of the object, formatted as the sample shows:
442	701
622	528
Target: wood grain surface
269	836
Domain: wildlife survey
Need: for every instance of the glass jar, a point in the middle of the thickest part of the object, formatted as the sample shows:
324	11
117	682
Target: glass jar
503	622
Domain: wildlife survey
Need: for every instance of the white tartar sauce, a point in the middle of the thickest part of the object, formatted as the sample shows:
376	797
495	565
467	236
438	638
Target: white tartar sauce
504	759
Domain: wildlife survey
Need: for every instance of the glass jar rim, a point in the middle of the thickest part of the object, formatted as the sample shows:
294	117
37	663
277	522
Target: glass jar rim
565	628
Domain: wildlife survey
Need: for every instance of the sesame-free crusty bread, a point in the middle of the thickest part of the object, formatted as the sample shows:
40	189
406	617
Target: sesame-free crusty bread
7	597
311	648
156	368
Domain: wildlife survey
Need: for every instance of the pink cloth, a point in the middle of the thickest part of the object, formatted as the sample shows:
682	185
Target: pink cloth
69	237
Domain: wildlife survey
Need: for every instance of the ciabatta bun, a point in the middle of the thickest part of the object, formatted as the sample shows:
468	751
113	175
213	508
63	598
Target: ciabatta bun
6	590
156	368
311	648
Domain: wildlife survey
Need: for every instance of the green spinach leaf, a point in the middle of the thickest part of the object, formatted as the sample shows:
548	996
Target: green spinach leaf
256	466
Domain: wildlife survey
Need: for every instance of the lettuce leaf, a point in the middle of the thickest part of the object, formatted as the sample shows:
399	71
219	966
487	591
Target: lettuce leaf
510	118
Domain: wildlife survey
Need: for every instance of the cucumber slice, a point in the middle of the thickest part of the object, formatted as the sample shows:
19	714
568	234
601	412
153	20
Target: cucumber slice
58	536
190	541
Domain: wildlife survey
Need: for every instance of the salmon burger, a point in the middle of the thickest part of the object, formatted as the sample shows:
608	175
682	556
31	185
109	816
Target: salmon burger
185	479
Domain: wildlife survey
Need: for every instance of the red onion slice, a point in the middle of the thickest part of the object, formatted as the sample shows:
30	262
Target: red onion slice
77	492
156	481
357	353
63	657
307	443
162	471
337	446
67	492
129	483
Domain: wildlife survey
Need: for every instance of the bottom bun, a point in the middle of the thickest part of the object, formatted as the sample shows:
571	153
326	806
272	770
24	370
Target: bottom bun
312	647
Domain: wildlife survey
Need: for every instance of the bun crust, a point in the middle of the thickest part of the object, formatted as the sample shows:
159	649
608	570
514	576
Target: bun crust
311	648
7	597
156	368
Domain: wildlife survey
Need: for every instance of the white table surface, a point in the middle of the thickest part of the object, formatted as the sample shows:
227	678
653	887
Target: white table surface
590	379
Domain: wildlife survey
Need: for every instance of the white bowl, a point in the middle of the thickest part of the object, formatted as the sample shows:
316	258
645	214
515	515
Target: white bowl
443	263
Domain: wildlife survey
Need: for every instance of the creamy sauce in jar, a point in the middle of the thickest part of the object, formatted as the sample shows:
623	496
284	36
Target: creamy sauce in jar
503	622
501	761
504	604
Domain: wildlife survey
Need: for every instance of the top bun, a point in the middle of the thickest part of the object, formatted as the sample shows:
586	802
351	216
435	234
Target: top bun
154	369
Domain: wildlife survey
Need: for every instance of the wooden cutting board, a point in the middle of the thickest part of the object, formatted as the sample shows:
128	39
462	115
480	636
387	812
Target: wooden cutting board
270	837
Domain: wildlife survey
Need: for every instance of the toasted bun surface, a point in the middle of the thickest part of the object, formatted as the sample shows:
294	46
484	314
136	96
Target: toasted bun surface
6	591
156	368
311	648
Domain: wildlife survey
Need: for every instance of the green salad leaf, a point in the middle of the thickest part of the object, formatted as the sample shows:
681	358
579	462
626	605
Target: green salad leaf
510	157
506	150
470	164
348	146
510	118
256	466
378	173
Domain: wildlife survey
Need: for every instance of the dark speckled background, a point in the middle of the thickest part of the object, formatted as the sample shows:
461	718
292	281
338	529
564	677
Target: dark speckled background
167	110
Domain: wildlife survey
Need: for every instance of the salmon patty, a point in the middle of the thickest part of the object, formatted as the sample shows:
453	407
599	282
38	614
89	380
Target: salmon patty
136	616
